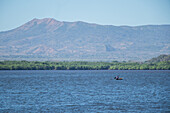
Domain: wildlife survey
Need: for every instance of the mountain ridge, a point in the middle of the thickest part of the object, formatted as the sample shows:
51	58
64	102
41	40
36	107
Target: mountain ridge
37	19
49	38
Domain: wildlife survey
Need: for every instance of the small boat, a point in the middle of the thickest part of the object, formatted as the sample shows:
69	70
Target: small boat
118	78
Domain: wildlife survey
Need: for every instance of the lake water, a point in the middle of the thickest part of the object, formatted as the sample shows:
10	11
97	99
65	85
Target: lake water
84	91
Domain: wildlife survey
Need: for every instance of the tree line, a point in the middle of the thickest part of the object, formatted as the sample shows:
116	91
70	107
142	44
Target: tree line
82	65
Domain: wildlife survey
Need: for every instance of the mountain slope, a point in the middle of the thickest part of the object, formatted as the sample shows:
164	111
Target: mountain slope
49	39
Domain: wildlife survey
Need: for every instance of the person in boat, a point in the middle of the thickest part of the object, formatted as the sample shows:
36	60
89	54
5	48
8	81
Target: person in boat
117	77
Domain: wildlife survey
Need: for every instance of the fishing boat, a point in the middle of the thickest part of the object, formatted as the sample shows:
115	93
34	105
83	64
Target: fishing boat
118	78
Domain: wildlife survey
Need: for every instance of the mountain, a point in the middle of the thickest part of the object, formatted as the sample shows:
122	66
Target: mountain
49	39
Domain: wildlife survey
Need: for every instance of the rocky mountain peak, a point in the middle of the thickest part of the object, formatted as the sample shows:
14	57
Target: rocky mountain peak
49	24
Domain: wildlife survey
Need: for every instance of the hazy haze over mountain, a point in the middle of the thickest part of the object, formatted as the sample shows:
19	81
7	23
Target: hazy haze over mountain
49	39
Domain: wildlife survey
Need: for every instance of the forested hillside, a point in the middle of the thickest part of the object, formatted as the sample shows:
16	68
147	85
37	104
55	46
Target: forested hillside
160	58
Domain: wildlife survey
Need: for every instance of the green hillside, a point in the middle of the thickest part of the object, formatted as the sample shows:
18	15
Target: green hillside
160	58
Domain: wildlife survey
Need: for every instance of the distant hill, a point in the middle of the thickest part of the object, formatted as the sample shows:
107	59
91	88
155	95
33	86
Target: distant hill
160	58
49	39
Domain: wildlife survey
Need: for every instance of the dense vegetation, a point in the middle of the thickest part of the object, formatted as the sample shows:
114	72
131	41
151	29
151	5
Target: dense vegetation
82	65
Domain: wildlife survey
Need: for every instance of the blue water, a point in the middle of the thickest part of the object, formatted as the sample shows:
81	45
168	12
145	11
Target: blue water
84	91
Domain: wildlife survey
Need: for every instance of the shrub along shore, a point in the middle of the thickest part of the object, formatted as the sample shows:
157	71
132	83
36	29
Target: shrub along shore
82	65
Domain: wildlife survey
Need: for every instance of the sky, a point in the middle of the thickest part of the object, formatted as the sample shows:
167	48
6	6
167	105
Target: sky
14	13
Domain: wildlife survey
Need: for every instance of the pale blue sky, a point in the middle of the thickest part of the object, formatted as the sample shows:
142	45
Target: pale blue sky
14	13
